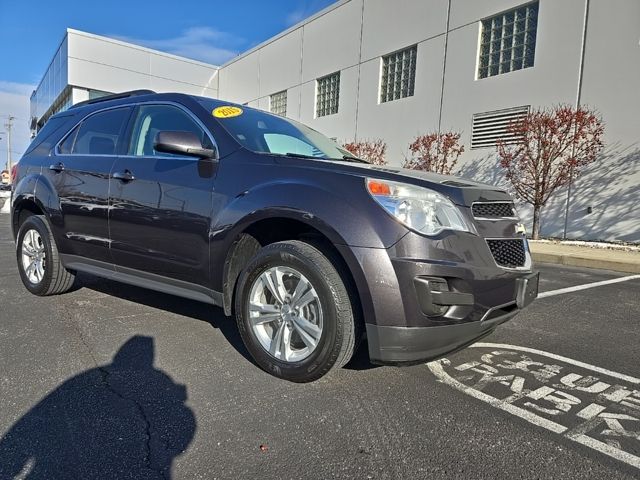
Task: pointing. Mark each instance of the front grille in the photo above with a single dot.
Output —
(493, 210)
(508, 253)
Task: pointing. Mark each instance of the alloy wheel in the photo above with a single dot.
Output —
(285, 314)
(33, 256)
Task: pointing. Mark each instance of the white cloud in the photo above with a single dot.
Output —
(14, 101)
(199, 43)
(305, 9)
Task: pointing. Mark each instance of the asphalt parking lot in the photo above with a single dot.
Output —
(112, 381)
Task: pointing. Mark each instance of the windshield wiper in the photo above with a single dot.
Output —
(301, 155)
(351, 158)
(346, 158)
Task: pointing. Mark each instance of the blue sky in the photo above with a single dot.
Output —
(209, 30)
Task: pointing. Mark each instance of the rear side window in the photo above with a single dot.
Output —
(99, 134)
(49, 128)
(67, 145)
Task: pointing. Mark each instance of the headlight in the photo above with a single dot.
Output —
(418, 208)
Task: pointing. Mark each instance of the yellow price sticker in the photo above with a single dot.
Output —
(227, 112)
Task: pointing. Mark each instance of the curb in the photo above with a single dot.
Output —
(577, 261)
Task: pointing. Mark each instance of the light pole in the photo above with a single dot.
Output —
(9, 126)
(1, 135)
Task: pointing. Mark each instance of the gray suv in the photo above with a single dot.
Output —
(310, 249)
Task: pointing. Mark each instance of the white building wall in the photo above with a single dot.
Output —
(286, 53)
(384, 31)
(611, 187)
(390, 26)
(105, 64)
(352, 35)
(552, 80)
(400, 121)
(240, 81)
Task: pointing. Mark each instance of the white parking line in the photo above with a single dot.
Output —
(577, 363)
(585, 286)
(584, 409)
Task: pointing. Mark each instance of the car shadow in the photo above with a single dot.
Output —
(214, 316)
(204, 312)
(125, 419)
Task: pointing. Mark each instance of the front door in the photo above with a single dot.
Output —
(161, 203)
(80, 173)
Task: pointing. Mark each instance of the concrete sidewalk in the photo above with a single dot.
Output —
(616, 260)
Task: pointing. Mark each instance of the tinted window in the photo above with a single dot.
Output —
(67, 146)
(100, 133)
(152, 119)
(52, 125)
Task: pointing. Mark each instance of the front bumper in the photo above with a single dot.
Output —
(406, 345)
(409, 345)
(423, 299)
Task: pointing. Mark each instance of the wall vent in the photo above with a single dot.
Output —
(489, 127)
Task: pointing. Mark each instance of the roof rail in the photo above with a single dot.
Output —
(115, 96)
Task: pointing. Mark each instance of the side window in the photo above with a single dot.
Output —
(100, 133)
(152, 119)
(66, 147)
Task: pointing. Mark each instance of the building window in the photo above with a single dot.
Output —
(327, 95)
(489, 127)
(278, 103)
(93, 94)
(508, 41)
(398, 75)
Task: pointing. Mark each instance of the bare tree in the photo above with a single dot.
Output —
(373, 151)
(435, 152)
(553, 145)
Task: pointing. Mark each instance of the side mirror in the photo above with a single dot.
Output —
(183, 143)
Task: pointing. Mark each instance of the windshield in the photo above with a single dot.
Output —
(263, 132)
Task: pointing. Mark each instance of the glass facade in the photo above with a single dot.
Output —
(53, 83)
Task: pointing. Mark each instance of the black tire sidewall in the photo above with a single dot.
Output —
(36, 223)
(325, 354)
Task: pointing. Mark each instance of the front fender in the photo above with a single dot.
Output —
(343, 213)
(346, 220)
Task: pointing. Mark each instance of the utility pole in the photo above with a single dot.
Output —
(8, 126)
(578, 99)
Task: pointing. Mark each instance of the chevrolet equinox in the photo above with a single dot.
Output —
(310, 248)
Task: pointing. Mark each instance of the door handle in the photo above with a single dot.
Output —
(57, 167)
(125, 176)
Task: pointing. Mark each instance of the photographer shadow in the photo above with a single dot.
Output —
(126, 419)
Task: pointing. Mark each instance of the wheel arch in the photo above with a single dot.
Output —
(21, 210)
(265, 231)
(33, 195)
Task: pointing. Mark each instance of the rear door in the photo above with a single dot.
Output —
(161, 203)
(80, 173)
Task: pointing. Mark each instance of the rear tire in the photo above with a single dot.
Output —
(39, 264)
(293, 312)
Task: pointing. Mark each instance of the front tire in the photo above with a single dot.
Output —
(39, 264)
(294, 313)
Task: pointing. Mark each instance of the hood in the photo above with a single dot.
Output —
(460, 191)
